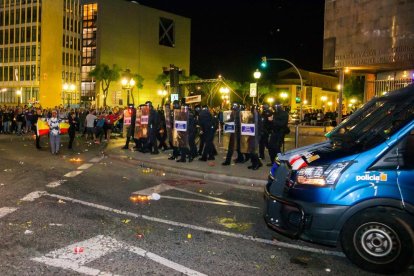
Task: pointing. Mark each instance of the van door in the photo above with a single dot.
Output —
(405, 170)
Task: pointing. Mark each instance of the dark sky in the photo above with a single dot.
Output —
(230, 37)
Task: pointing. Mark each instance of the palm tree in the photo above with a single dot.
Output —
(105, 75)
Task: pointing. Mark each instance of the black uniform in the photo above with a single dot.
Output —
(279, 125)
(207, 127)
(73, 125)
(153, 125)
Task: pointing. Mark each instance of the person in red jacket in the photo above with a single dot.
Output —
(111, 118)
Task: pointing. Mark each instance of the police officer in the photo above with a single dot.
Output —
(207, 127)
(279, 122)
(192, 133)
(265, 130)
(234, 137)
(131, 127)
(162, 130)
(185, 135)
(152, 129)
(176, 151)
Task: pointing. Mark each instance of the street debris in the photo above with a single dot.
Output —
(139, 236)
(327, 269)
(60, 201)
(55, 224)
(139, 198)
(78, 250)
(28, 232)
(75, 160)
(21, 163)
(155, 196)
(189, 236)
(126, 221)
(7, 170)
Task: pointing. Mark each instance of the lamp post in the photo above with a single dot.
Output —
(257, 74)
(225, 95)
(19, 96)
(68, 91)
(265, 59)
(162, 94)
(127, 84)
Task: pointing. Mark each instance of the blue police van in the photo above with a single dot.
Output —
(356, 189)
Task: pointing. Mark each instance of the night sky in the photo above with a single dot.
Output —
(230, 37)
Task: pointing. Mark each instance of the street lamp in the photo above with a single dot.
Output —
(323, 99)
(225, 94)
(284, 96)
(257, 74)
(68, 90)
(265, 59)
(127, 84)
(19, 96)
(162, 94)
(270, 100)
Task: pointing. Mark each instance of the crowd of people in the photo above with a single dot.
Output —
(202, 124)
(93, 124)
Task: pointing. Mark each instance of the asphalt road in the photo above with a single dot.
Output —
(72, 214)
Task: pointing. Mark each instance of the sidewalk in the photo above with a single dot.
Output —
(210, 170)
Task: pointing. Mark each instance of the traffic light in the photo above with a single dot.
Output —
(264, 62)
(297, 99)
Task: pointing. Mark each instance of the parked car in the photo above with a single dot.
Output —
(356, 189)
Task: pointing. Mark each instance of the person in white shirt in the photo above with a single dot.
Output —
(90, 124)
(54, 132)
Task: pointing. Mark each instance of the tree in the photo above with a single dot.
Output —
(354, 87)
(139, 84)
(105, 75)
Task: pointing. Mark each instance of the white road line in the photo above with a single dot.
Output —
(73, 173)
(165, 187)
(155, 189)
(85, 166)
(164, 261)
(33, 195)
(208, 201)
(96, 248)
(96, 159)
(4, 211)
(204, 229)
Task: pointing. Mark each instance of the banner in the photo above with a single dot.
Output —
(64, 127)
(42, 127)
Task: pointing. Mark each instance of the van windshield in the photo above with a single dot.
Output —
(375, 122)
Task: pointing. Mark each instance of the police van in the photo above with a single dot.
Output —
(356, 189)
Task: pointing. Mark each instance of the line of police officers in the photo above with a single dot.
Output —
(248, 132)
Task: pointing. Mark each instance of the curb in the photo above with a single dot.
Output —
(193, 173)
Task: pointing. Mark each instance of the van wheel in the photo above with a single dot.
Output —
(378, 242)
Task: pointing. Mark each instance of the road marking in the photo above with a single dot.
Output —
(85, 166)
(73, 173)
(33, 195)
(96, 159)
(200, 228)
(96, 248)
(165, 187)
(4, 211)
(55, 184)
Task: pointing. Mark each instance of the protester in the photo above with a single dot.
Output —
(54, 132)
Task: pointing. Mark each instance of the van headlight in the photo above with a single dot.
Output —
(321, 175)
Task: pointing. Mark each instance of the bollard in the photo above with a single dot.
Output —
(296, 136)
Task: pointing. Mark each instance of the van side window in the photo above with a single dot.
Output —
(400, 156)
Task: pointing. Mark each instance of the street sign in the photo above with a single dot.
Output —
(193, 99)
(253, 89)
(174, 97)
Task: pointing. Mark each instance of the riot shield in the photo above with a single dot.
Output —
(127, 122)
(180, 130)
(168, 123)
(141, 123)
(248, 131)
(229, 128)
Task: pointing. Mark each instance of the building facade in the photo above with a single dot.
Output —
(48, 47)
(320, 91)
(371, 37)
(135, 37)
